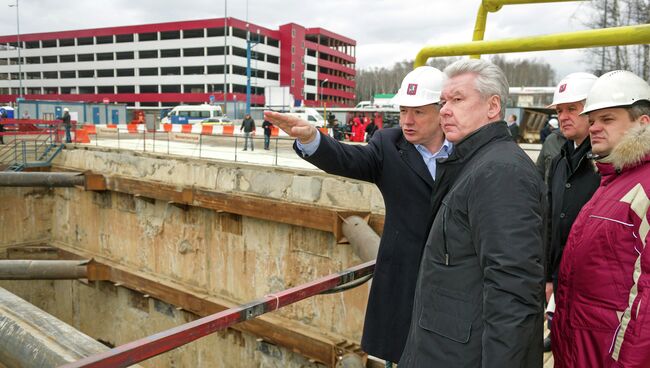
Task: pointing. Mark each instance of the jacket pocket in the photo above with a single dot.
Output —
(593, 317)
(449, 315)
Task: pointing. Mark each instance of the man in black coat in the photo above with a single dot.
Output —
(401, 162)
(572, 178)
(479, 294)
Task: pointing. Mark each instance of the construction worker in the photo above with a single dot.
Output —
(67, 124)
(402, 163)
(602, 314)
(572, 179)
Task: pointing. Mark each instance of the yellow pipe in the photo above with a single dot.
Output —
(619, 36)
(494, 6)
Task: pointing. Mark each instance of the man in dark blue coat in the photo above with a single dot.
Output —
(402, 163)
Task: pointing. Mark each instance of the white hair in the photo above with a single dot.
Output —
(490, 79)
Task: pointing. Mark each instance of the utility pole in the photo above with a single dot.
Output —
(225, 54)
(249, 46)
(18, 46)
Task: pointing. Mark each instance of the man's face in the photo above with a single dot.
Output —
(574, 126)
(420, 125)
(607, 129)
(464, 110)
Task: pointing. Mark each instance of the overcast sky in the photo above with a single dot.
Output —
(386, 31)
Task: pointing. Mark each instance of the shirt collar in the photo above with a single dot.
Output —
(444, 150)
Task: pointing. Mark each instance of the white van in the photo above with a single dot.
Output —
(311, 115)
(192, 114)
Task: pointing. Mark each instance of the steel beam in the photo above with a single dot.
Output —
(42, 270)
(40, 179)
(151, 346)
(32, 338)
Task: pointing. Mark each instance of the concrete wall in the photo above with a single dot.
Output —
(25, 216)
(234, 258)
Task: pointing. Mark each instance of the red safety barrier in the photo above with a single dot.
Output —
(186, 128)
(206, 129)
(148, 347)
(228, 129)
(132, 128)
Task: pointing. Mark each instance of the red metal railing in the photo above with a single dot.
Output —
(148, 347)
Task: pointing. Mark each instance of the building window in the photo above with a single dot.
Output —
(105, 56)
(103, 73)
(32, 44)
(149, 89)
(170, 35)
(194, 88)
(49, 43)
(103, 39)
(311, 67)
(125, 89)
(293, 66)
(51, 90)
(272, 59)
(170, 53)
(153, 36)
(293, 49)
(272, 76)
(86, 73)
(240, 70)
(29, 75)
(238, 88)
(86, 57)
(66, 42)
(123, 38)
(170, 88)
(193, 70)
(68, 74)
(273, 42)
(239, 33)
(148, 54)
(32, 60)
(67, 90)
(293, 82)
(195, 51)
(85, 41)
(66, 58)
(193, 33)
(86, 90)
(215, 69)
(238, 51)
(105, 89)
(216, 32)
(148, 71)
(50, 75)
(171, 70)
(311, 52)
(128, 72)
(293, 32)
(124, 55)
(49, 59)
(219, 50)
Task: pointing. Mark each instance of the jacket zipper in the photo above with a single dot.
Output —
(444, 237)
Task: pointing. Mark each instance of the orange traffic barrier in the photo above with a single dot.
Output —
(81, 136)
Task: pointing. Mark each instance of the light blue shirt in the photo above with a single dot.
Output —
(428, 157)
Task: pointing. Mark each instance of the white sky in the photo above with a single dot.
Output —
(386, 31)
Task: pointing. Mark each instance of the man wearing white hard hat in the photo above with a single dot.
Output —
(402, 163)
(551, 147)
(602, 314)
(572, 178)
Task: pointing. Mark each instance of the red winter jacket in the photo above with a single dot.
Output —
(602, 316)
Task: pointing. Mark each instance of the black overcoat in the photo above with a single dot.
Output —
(398, 170)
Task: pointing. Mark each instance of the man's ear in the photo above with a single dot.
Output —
(494, 110)
(644, 119)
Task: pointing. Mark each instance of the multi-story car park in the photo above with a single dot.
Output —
(167, 64)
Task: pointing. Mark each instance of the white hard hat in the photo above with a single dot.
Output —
(65, 109)
(553, 123)
(420, 87)
(573, 88)
(617, 88)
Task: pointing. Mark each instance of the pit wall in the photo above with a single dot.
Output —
(233, 258)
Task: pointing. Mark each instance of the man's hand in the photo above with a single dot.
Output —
(292, 125)
(549, 291)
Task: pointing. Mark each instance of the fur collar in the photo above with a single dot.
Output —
(632, 150)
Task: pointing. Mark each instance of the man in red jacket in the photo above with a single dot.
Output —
(602, 317)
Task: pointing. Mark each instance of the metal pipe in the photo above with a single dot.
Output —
(32, 338)
(362, 237)
(41, 179)
(618, 36)
(43, 270)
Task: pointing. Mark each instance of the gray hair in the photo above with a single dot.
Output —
(490, 79)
